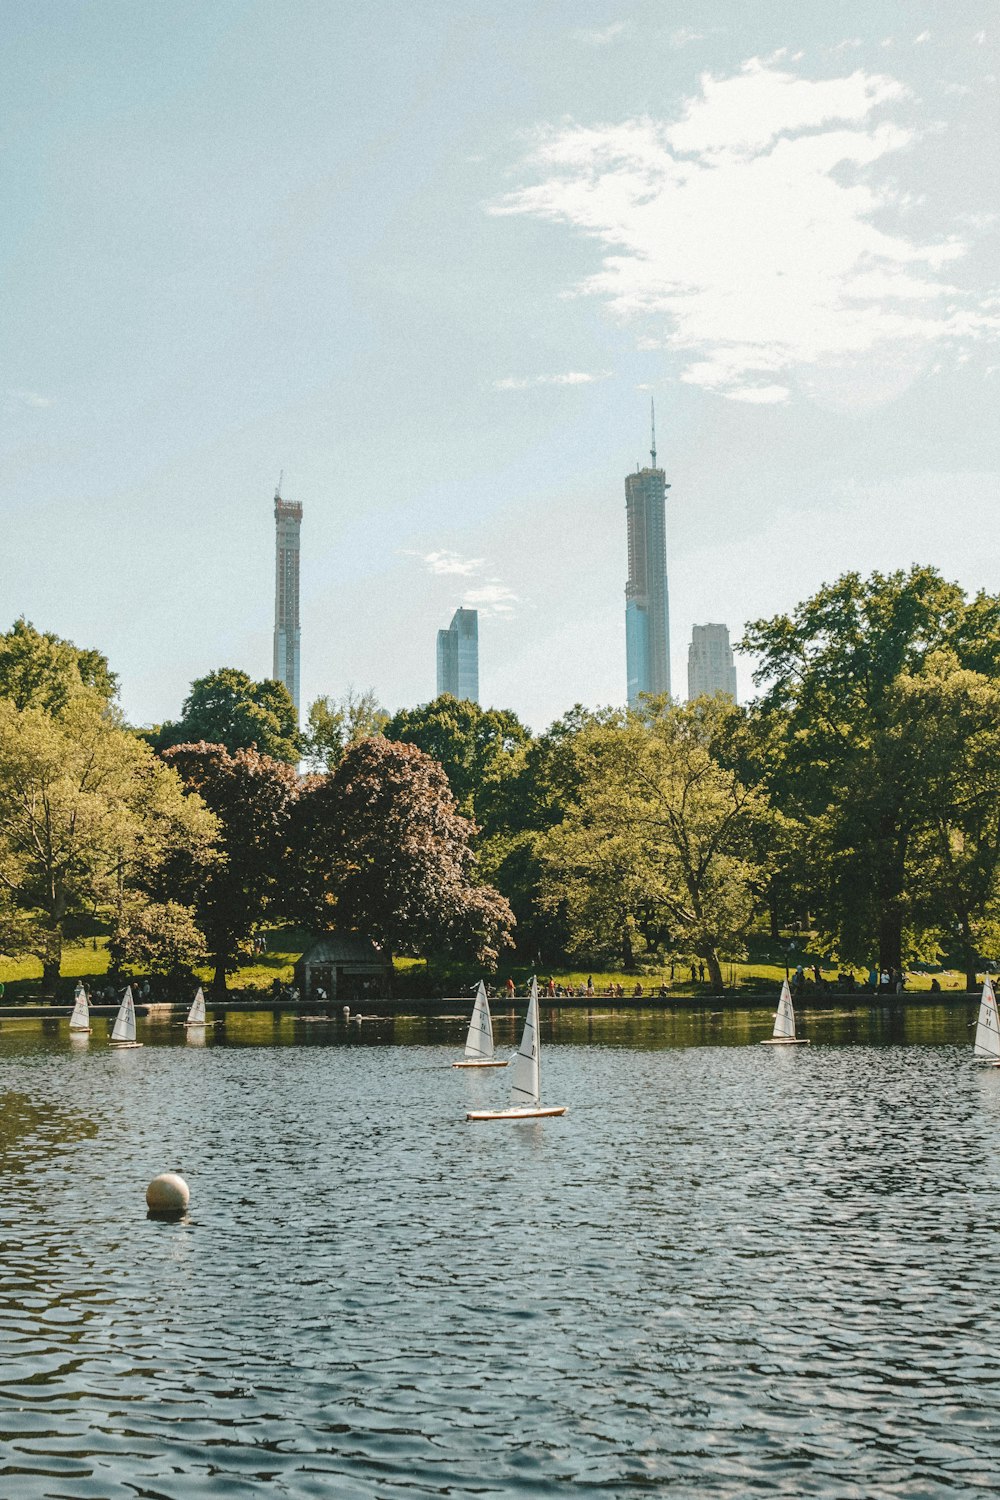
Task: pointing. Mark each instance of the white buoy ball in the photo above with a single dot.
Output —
(168, 1194)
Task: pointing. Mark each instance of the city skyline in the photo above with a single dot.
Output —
(446, 309)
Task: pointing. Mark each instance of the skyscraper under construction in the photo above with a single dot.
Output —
(287, 629)
(647, 609)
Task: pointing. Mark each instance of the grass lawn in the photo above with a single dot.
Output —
(762, 973)
(88, 960)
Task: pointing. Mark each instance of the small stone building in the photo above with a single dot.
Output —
(347, 966)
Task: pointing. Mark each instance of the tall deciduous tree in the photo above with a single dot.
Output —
(40, 670)
(87, 812)
(517, 809)
(228, 708)
(479, 748)
(660, 834)
(159, 937)
(387, 853)
(949, 717)
(847, 763)
(334, 723)
(252, 796)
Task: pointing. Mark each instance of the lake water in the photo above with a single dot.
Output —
(729, 1271)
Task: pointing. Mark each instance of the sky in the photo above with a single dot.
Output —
(430, 262)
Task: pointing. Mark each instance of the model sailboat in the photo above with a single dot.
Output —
(479, 1042)
(196, 1015)
(123, 1033)
(784, 1024)
(80, 1019)
(987, 1043)
(525, 1084)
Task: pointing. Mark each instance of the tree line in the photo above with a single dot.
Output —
(858, 795)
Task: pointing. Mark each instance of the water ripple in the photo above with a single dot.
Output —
(727, 1272)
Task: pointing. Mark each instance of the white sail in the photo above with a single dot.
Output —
(124, 1028)
(525, 1087)
(479, 1042)
(80, 1019)
(196, 1015)
(784, 1020)
(988, 1025)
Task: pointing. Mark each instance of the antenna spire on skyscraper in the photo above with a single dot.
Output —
(277, 492)
(652, 423)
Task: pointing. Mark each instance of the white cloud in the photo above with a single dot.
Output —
(450, 563)
(752, 234)
(491, 598)
(761, 395)
(749, 110)
(30, 398)
(684, 36)
(529, 382)
(601, 36)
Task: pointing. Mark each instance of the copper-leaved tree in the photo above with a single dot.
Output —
(384, 851)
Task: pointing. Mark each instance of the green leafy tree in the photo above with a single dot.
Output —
(847, 764)
(43, 671)
(948, 716)
(518, 810)
(87, 813)
(659, 835)
(387, 853)
(228, 708)
(156, 937)
(252, 797)
(333, 724)
(597, 884)
(479, 749)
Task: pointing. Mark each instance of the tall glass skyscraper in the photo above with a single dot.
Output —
(458, 656)
(647, 606)
(287, 628)
(711, 668)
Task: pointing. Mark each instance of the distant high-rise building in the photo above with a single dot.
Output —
(287, 629)
(711, 668)
(458, 656)
(647, 608)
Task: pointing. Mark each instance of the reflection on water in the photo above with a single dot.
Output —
(729, 1271)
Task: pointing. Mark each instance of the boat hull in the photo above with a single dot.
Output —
(516, 1114)
(121, 1046)
(490, 1064)
(785, 1041)
(81, 1030)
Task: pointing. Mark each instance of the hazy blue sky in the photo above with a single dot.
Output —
(431, 259)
